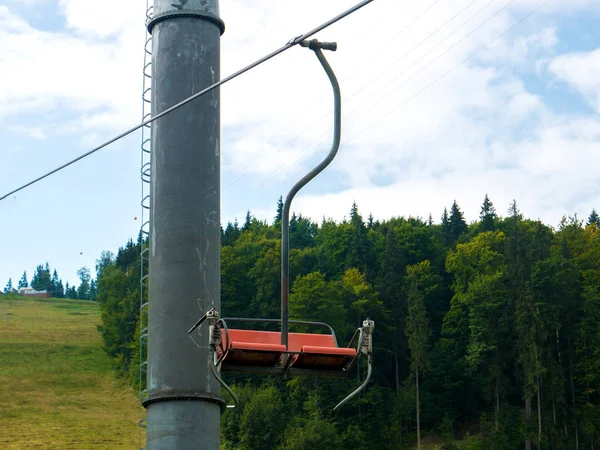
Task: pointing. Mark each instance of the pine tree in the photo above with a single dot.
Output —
(594, 219)
(9, 286)
(487, 215)
(23, 281)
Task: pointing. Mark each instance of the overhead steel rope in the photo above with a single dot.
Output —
(290, 44)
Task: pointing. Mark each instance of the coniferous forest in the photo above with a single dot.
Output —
(490, 330)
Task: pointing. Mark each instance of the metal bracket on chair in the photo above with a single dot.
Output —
(366, 348)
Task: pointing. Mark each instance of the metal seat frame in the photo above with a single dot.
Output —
(284, 366)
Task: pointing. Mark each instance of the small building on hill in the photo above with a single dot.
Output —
(30, 292)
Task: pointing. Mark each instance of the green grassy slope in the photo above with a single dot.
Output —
(57, 389)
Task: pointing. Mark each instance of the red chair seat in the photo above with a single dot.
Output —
(327, 358)
(343, 351)
(257, 346)
(264, 348)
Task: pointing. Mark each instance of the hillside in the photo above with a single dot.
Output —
(57, 388)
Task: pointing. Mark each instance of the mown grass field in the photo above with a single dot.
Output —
(57, 388)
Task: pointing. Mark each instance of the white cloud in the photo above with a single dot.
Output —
(582, 72)
(435, 136)
(45, 72)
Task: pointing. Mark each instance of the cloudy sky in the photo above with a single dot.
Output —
(442, 100)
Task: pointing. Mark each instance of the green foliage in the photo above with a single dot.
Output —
(41, 280)
(487, 215)
(313, 432)
(83, 292)
(119, 306)
(494, 315)
(9, 286)
(23, 281)
(419, 281)
(593, 219)
(262, 421)
(313, 297)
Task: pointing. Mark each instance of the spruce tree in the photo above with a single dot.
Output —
(513, 211)
(446, 232)
(279, 214)
(445, 220)
(457, 223)
(594, 219)
(359, 251)
(248, 221)
(487, 215)
(231, 233)
(60, 290)
(54, 285)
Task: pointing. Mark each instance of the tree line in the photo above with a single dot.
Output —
(46, 280)
(489, 329)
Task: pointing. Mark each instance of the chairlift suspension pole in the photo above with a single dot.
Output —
(316, 46)
(184, 399)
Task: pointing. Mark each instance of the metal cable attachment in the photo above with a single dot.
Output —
(215, 340)
(314, 44)
(366, 348)
(367, 344)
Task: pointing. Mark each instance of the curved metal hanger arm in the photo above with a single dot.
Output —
(316, 46)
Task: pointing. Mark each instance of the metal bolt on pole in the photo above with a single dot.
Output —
(184, 399)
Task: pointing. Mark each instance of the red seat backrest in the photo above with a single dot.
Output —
(295, 340)
(259, 337)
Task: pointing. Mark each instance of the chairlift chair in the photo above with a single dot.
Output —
(286, 353)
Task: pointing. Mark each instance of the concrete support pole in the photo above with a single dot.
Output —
(184, 399)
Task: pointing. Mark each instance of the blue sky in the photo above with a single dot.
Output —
(424, 121)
